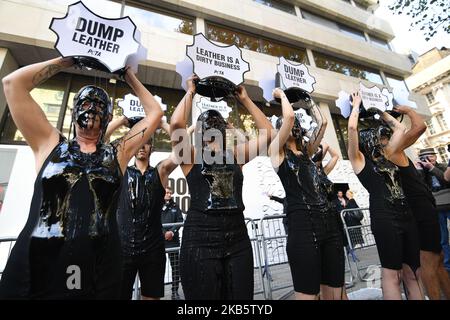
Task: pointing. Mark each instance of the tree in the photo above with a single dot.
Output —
(430, 16)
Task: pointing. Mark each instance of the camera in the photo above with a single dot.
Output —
(424, 158)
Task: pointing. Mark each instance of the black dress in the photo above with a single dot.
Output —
(216, 255)
(69, 247)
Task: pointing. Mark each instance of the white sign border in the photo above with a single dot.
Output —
(296, 65)
(221, 46)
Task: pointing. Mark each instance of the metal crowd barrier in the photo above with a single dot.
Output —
(276, 270)
(361, 252)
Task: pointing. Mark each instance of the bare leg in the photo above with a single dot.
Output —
(429, 265)
(330, 293)
(390, 284)
(444, 279)
(303, 296)
(415, 292)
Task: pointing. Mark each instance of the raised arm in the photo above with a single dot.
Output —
(334, 158)
(355, 156)
(141, 131)
(398, 135)
(114, 125)
(28, 116)
(178, 133)
(248, 150)
(418, 126)
(277, 144)
(318, 134)
(164, 126)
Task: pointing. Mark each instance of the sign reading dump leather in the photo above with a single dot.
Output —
(82, 33)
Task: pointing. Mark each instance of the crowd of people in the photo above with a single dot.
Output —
(94, 215)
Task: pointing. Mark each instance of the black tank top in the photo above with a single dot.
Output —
(216, 187)
(79, 193)
(418, 194)
(302, 183)
(139, 212)
(386, 195)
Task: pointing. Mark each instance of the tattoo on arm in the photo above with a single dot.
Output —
(45, 73)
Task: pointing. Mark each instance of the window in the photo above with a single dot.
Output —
(443, 154)
(355, 34)
(441, 120)
(280, 5)
(397, 83)
(430, 97)
(146, 19)
(8, 157)
(379, 42)
(255, 43)
(334, 64)
(430, 127)
(341, 128)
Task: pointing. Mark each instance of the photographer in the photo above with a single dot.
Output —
(433, 174)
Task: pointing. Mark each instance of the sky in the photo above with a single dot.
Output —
(406, 40)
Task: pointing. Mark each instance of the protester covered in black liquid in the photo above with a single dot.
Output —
(314, 245)
(70, 246)
(216, 254)
(392, 221)
(139, 219)
(421, 201)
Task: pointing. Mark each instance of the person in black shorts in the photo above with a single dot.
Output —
(422, 203)
(392, 221)
(216, 255)
(70, 245)
(139, 220)
(314, 245)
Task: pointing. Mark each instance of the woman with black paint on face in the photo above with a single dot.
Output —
(70, 247)
(392, 221)
(314, 245)
(216, 255)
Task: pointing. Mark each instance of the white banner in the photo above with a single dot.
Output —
(132, 107)
(82, 33)
(373, 98)
(206, 104)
